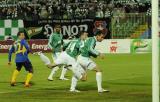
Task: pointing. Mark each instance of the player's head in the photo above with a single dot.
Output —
(83, 35)
(21, 35)
(100, 35)
(57, 28)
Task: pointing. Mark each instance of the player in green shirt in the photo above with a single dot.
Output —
(68, 58)
(72, 50)
(56, 44)
(89, 51)
(74, 47)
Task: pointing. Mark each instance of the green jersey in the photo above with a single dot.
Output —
(89, 48)
(56, 42)
(73, 47)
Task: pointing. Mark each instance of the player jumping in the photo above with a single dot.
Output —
(21, 48)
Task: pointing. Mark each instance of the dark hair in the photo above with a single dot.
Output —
(81, 33)
(19, 33)
(99, 32)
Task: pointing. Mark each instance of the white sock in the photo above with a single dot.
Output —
(53, 72)
(76, 72)
(74, 83)
(99, 80)
(64, 70)
(45, 59)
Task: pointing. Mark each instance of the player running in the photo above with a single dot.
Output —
(85, 60)
(56, 44)
(68, 57)
(21, 49)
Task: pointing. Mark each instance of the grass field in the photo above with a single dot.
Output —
(127, 76)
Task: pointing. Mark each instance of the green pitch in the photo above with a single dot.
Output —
(127, 76)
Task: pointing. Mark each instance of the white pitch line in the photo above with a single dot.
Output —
(130, 77)
(10, 92)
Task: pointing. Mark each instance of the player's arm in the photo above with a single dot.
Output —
(53, 41)
(11, 50)
(58, 41)
(50, 42)
(79, 45)
(92, 50)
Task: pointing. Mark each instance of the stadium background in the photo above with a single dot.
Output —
(120, 19)
(127, 67)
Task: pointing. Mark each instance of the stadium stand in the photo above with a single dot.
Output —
(130, 18)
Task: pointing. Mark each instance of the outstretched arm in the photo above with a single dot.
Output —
(92, 50)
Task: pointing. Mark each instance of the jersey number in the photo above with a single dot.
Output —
(71, 47)
(19, 48)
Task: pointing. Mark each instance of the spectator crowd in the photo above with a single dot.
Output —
(69, 9)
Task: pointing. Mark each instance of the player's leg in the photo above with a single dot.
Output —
(79, 74)
(63, 72)
(92, 66)
(16, 73)
(55, 69)
(75, 80)
(59, 61)
(44, 58)
(74, 84)
(28, 66)
(77, 69)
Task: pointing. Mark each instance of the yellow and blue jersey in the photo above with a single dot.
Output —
(21, 49)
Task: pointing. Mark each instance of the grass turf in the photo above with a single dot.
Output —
(127, 76)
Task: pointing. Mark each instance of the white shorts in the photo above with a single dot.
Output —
(86, 62)
(66, 59)
(55, 55)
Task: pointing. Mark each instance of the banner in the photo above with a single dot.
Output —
(42, 29)
(111, 46)
(39, 45)
(141, 46)
(10, 28)
(35, 45)
(118, 46)
(5, 45)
